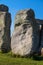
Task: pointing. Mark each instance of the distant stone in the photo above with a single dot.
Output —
(4, 8)
(41, 43)
(25, 38)
(41, 51)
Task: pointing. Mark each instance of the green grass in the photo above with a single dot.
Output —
(8, 59)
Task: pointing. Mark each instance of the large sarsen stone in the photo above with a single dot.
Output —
(25, 38)
(5, 23)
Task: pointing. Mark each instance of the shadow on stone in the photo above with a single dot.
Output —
(4, 8)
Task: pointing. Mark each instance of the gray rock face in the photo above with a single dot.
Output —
(5, 23)
(25, 38)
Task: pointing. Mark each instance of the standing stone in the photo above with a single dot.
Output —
(40, 22)
(25, 38)
(5, 23)
(41, 44)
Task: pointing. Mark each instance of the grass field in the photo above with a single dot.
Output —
(8, 59)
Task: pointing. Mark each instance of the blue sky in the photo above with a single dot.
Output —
(16, 5)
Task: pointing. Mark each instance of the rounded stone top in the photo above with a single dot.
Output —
(23, 16)
(30, 13)
(4, 8)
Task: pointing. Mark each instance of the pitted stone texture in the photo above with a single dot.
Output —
(4, 8)
(25, 38)
(2, 25)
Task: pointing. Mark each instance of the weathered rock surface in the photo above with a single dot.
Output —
(5, 23)
(25, 38)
